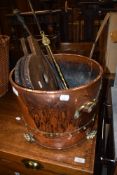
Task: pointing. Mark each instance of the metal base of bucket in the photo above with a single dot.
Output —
(61, 140)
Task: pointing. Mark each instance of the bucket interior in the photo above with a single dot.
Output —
(77, 70)
(77, 74)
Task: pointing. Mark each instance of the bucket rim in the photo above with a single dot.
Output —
(99, 76)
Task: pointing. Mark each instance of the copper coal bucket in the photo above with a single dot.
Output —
(60, 119)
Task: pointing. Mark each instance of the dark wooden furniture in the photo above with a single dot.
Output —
(18, 156)
(81, 48)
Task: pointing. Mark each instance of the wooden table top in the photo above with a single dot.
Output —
(79, 158)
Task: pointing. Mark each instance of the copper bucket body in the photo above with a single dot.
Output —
(60, 119)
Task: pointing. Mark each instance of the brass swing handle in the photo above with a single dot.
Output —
(88, 106)
(32, 164)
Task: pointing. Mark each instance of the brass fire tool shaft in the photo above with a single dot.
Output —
(46, 43)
